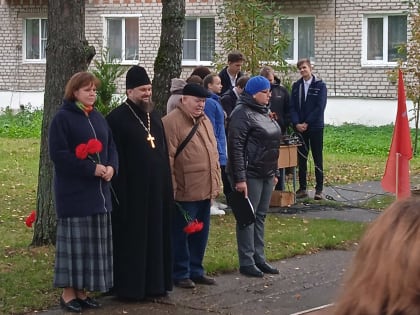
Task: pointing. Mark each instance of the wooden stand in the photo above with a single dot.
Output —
(287, 158)
(282, 198)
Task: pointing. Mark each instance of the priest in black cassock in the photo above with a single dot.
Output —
(143, 198)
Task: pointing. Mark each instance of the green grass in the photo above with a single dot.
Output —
(285, 237)
(26, 273)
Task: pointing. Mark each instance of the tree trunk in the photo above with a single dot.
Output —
(67, 52)
(168, 61)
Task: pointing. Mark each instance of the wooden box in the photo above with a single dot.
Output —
(288, 156)
(282, 198)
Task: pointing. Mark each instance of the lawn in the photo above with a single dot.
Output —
(26, 273)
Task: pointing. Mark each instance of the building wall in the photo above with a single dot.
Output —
(17, 75)
(338, 33)
(338, 45)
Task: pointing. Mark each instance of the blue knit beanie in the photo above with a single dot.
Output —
(257, 84)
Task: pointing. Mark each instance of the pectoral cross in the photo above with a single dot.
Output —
(151, 139)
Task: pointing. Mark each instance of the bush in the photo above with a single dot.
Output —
(26, 123)
(107, 72)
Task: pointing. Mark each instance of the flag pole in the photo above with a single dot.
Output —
(397, 160)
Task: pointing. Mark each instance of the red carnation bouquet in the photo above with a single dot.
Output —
(86, 150)
(192, 226)
(30, 219)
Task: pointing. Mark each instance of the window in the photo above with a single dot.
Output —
(35, 39)
(301, 33)
(198, 45)
(122, 38)
(382, 36)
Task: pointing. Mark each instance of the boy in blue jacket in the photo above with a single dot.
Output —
(307, 106)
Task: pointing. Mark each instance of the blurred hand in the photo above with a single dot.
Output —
(243, 188)
(108, 173)
(100, 170)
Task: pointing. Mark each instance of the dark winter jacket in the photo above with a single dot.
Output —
(228, 101)
(214, 111)
(225, 80)
(312, 110)
(78, 192)
(253, 141)
(279, 104)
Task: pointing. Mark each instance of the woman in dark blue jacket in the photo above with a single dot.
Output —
(85, 159)
(253, 151)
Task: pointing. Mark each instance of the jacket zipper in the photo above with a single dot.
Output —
(100, 181)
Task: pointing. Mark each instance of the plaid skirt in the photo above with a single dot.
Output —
(83, 259)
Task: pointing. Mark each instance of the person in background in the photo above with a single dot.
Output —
(143, 201)
(214, 111)
(279, 100)
(279, 104)
(384, 278)
(85, 160)
(194, 79)
(176, 92)
(200, 71)
(229, 98)
(196, 181)
(253, 151)
(308, 100)
(232, 71)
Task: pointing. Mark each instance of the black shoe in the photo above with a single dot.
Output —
(318, 195)
(301, 193)
(185, 283)
(204, 280)
(89, 303)
(251, 271)
(264, 267)
(71, 306)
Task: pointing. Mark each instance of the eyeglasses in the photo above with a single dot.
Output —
(265, 91)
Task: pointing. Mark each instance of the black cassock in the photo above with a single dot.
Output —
(142, 206)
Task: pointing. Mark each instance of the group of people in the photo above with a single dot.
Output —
(133, 191)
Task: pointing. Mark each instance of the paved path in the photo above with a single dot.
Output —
(304, 282)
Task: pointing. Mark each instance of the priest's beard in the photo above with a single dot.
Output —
(145, 106)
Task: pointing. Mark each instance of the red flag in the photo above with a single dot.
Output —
(396, 178)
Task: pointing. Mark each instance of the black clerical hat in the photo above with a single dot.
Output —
(136, 76)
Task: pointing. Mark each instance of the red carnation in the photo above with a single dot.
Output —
(94, 146)
(82, 151)
(30, 219)
(193, 226)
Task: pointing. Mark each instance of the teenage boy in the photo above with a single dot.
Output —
(307, 105)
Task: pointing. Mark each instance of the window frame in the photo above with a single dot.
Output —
(295, 39)
(105, 18)
(384, 16)
(24, 40)
(197, 61)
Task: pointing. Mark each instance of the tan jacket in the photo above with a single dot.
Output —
(196, 170)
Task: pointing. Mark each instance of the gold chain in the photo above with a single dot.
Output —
(149, 138)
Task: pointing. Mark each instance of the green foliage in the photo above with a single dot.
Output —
(26, 123)
(253, 28)
(107, 72)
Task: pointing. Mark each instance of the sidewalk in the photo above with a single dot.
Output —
(304, 283)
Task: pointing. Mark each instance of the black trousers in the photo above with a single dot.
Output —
(313, 140)
(227, 186)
